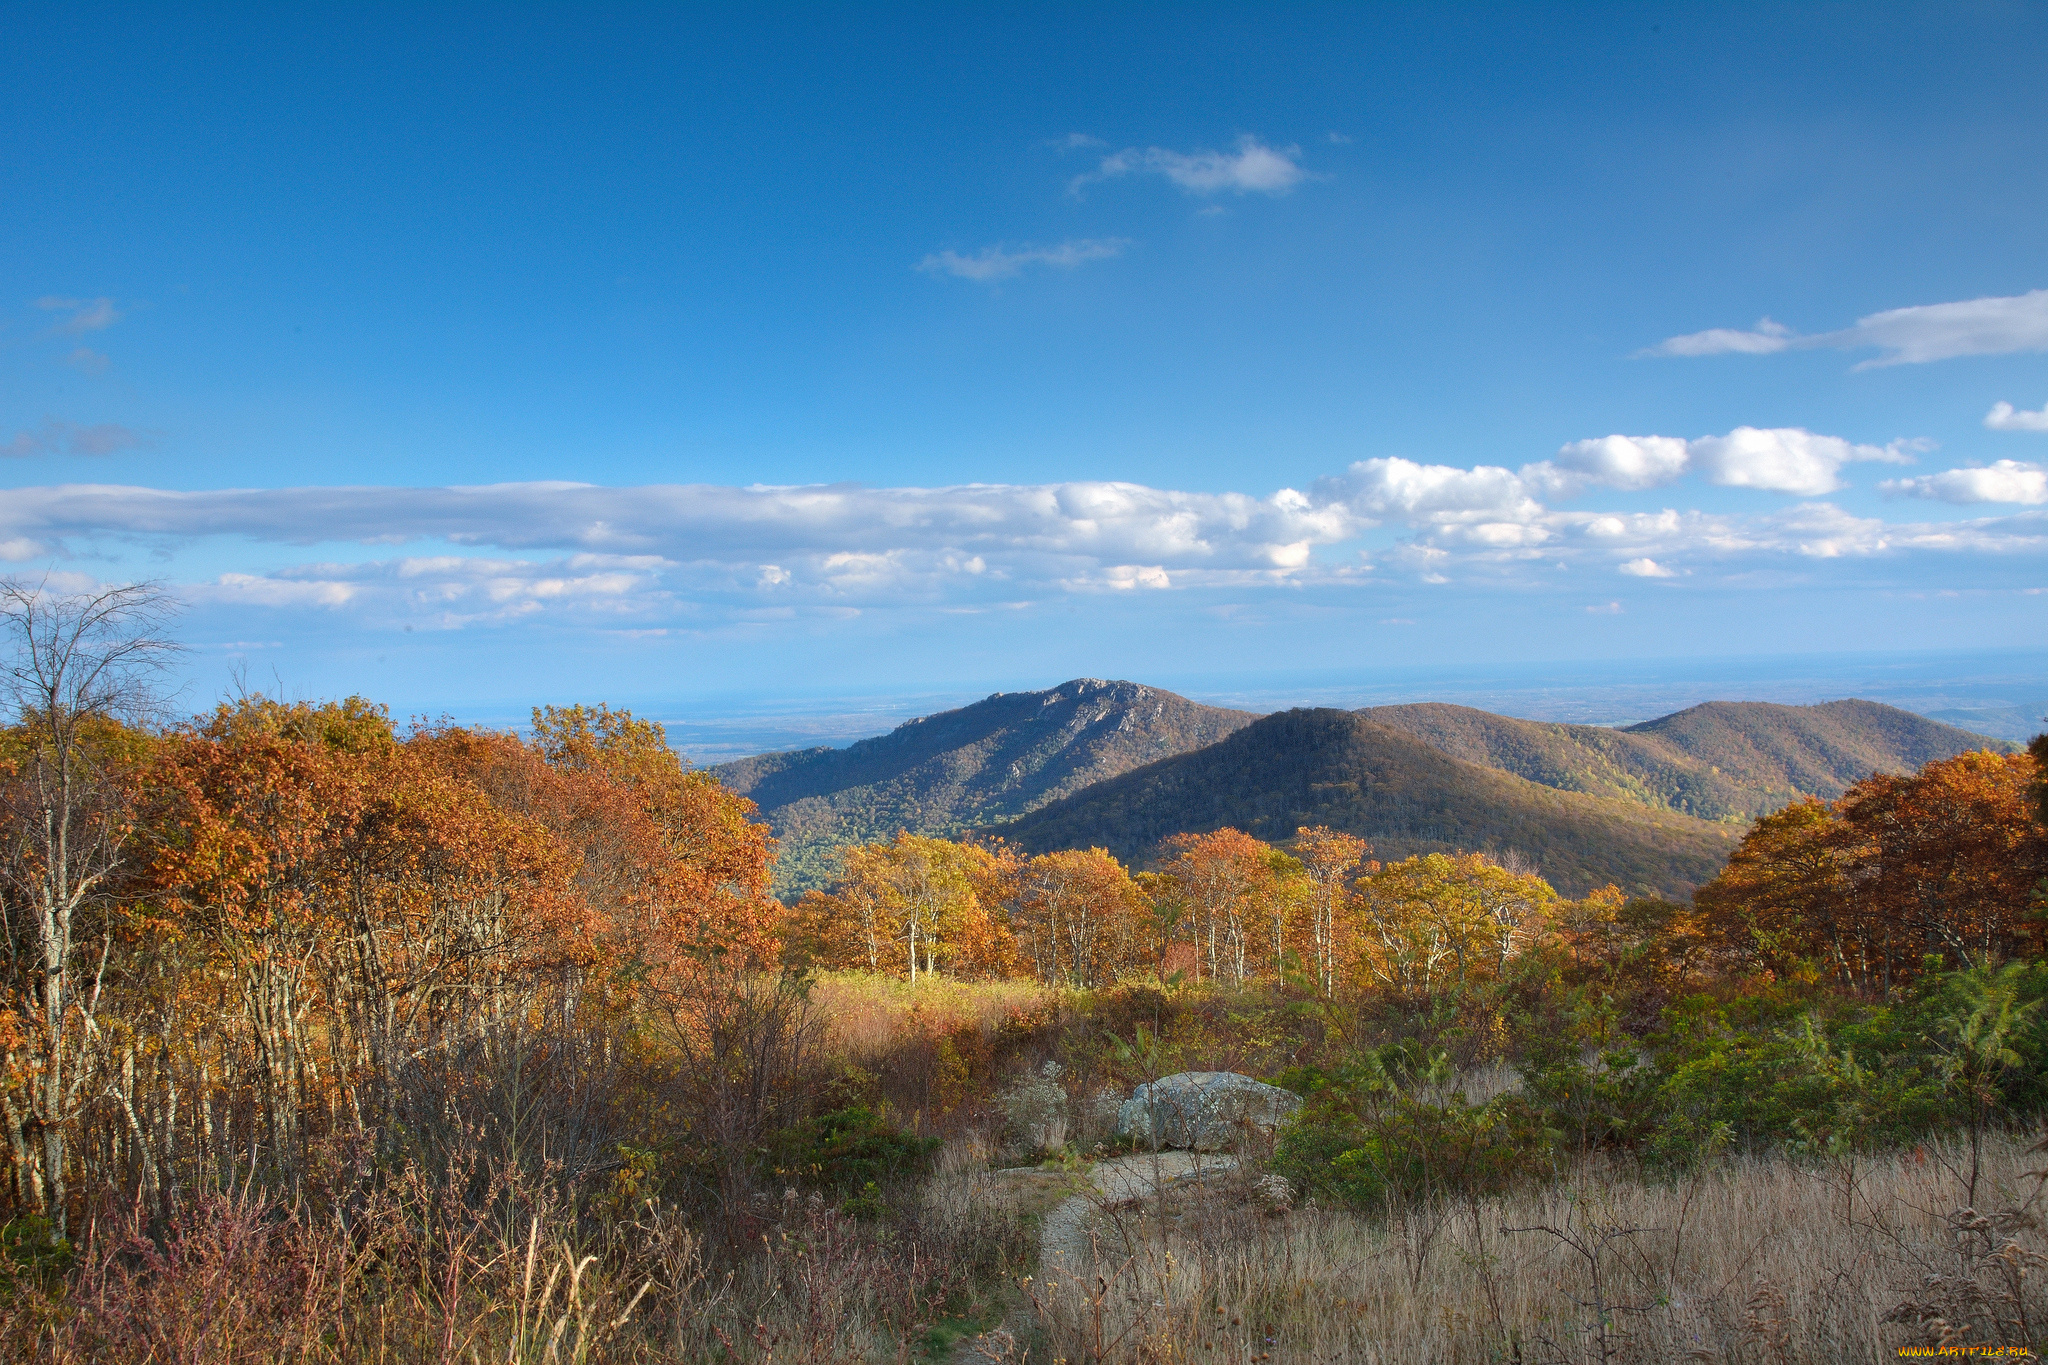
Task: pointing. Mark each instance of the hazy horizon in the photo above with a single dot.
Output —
(2000, 693)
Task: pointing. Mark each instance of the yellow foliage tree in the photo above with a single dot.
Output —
(1435, 920)
(1328, 859)
(916, 905)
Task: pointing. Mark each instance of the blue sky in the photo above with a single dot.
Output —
(472, 357)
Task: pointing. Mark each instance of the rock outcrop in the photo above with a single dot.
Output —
(1203, 1111)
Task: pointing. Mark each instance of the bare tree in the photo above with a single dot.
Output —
(78, 665)
(746, 1043)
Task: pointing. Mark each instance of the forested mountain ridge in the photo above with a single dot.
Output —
(977, 765)
(1345, 770)
(1717, 761)
(1822, 749)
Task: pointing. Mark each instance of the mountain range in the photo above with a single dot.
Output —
(1653, 808)
(1345, 770)
(1724, 760)
(978, 765)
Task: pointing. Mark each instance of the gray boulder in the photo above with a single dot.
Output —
(1205, 1111)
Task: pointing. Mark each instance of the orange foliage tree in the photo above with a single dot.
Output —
(333, 935)
(1435, 920)
(364, 902)
(1077, 917)
(1943, 862)
(1218, 886)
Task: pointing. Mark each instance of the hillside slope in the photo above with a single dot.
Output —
(1821, 749)
(1347, 771)
(977, 765)
(1719, 761)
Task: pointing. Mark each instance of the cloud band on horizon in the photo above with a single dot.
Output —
(661, 549)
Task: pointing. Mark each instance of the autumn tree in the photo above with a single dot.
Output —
(1328, 860)
(1075, 916)
(916, 905)
(1436, 920)
(718, 853)
(1943, 862)
(79, 665)
(1951, 854)
(370, 905)
(1787, 896)
(1222, 884)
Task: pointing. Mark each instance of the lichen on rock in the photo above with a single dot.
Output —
(1203, 1111)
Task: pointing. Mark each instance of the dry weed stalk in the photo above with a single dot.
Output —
(1751, 1260)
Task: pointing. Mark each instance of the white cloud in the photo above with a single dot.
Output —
(1783, 459)
(648, 557)
(87, 315)
(1253, 168)
(452, 591)
(1941, 331)
(240, 589)
(1779, 459)
(1765, 338)
(1380, 489)
(2003, 417)
(1906, 336)
(842, 539)
(2002, 481)
(1001, 263)
(1630, 462)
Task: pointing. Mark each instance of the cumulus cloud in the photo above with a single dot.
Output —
(1001, 263)
(86, 315)
(1628, 462)
(1253, 168)
(1905, 336)
(2003, 417)
(1784, 459)
(1380, 489)
(2002, 481)
(64, 438)
(1777, 459)
(1646, 567)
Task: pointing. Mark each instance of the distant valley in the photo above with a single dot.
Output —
(1654, 807)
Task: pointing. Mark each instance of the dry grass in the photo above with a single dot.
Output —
(240, 1281)
(1753, 1261)
(866, 1011)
